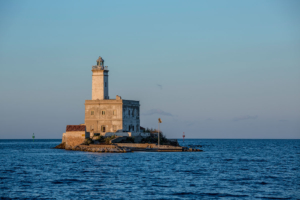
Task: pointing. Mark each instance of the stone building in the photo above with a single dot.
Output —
(74, 135)
(106, 116)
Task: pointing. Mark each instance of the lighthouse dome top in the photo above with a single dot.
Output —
(100, 64)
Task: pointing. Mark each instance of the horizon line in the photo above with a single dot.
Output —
(179, 139)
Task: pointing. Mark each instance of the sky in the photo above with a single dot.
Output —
(211, 69)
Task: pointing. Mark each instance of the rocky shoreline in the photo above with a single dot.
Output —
(126, 148)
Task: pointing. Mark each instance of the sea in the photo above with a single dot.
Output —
(226, 169)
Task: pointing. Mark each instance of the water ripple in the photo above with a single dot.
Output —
(227, 169)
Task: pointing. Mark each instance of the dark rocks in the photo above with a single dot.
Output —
(174, 142)
(191, 149)
(194, 146)
(61, 146)
(100, 149)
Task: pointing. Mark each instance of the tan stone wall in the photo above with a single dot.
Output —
(136, 145)
(63, 138)
(109, 120)
(73, 138)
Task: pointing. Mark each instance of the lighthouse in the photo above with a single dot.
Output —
(100, 81)
(105, 116)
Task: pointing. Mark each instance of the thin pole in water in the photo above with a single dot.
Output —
(33, 137)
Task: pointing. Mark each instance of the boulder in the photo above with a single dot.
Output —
(77, 148)
(61, 146)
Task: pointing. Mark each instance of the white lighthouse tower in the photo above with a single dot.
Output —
(100, 81)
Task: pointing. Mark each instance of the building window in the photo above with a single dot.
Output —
(92, 112)
(132, 128)
(114, 112)
(115, 128)
(129, 112)
(137, 128)
(103, 112)
(103, 128)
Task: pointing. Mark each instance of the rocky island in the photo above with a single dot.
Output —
(113, 125)
(123, 144)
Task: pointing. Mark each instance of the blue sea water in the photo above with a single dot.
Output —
(227, 169)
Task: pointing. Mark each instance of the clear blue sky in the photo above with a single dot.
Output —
(214, 69)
